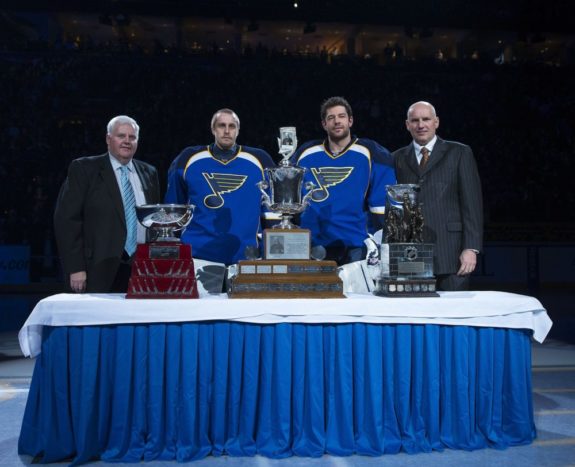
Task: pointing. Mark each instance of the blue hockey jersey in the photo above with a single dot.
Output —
(227, 200)
(350, 184)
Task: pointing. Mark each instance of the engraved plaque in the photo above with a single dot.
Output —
(413, 267)
(287, 244)
(165, 251)
(248, 269)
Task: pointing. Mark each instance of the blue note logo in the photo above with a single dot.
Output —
(220, 184)
(327, 177)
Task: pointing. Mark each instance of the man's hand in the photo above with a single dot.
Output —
(78, 281)
(468, 260)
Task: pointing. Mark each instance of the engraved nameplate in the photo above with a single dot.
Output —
(164, 252)
(247, 268)
(413, 267)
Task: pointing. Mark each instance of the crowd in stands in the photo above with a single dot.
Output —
(518, 119)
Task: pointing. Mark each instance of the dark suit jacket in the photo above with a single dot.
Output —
(451, 199)
(89, 219)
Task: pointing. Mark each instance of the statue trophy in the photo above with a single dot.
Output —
(406, 261)
(286, 270)
(163, 268)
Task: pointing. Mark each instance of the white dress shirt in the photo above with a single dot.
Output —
(417, 147)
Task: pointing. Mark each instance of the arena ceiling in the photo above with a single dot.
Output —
(519, 15)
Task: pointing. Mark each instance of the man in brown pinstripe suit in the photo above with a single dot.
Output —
(450, 196)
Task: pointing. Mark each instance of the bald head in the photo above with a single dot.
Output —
(422, 104)
(422, 122)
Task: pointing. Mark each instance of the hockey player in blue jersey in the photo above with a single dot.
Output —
(351, 174)
(221, 181)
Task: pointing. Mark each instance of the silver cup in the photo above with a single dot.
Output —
(285, 183)
(286, 193)
(165, 219)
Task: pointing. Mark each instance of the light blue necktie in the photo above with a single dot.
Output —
(129, 211)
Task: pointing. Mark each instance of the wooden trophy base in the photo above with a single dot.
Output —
(163, 270)
(286, 279)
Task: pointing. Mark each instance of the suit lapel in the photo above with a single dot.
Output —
(107, 174)
(144, 178)
(438, 153)
(411, 160)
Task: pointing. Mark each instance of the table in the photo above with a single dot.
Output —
(126, 380)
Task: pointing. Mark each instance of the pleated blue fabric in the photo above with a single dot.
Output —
(185, 391)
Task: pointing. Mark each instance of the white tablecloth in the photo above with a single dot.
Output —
(485, 308)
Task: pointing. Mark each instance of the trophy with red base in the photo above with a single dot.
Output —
(163, 268)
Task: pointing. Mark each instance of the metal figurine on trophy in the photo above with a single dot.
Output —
(406, 261)
(286, 270)
(163, 268)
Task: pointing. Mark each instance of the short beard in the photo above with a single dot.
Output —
(337, 139)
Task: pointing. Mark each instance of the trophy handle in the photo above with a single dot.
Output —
(310, 186)
(263, 185)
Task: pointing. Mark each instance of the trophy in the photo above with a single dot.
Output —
(406, 261)
(286, 270)
(163, 268)
(286, 240)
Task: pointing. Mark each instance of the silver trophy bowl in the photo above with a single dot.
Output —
(165, 219)
(285, 184)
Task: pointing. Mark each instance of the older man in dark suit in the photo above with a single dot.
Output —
(95, 224)
(450, 195)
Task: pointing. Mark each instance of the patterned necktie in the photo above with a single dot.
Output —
(129, 211)
(424, 157)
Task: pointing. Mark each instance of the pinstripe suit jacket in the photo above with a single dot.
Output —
(451, 199)
(89, 219)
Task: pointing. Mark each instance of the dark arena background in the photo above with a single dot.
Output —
(501, 74)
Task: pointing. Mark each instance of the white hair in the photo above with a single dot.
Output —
(123, 120)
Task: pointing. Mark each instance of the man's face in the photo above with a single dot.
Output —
(122, 143)
(225, 131)
(421, 123)
(337, 123)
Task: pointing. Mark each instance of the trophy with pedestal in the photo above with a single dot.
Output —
(406, 260)
(163, 268)
(286, 240)
(286, 270)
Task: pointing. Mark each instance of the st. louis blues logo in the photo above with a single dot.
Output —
(327, 177)
(221, 184)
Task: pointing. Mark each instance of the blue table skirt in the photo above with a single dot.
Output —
(187, 390)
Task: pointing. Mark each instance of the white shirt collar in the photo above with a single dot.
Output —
(418, 147)
(116, 164)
